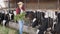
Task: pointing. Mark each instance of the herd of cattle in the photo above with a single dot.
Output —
(45, 20)
(5, 17)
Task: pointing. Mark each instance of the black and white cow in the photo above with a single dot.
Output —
(0, 18)
(39, 19)
(57, 26)
(5, 19)
(11, 15)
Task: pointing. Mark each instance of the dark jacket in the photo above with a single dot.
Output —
(18, 10)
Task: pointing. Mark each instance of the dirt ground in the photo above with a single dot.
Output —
(6, 30)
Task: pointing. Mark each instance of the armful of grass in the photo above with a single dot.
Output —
(19, 16)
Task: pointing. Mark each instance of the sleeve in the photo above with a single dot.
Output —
(16, 10)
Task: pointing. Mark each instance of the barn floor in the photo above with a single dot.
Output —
(6, 30)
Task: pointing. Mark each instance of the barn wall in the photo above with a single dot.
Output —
(48, 5)
(31, 4)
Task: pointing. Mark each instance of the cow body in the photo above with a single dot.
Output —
(57, 26)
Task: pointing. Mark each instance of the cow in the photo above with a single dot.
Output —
(39, 19)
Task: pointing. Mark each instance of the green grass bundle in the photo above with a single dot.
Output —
(19, 16)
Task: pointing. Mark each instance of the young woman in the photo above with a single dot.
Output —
(20, 11)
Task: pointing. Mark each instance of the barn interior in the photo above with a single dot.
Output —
(33, 4)
(50, 8)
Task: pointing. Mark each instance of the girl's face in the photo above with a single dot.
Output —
(20, 5)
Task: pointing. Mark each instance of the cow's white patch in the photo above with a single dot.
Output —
(48, 29)
(14, 13)
(4, 21)
(10, 15)
(37, 31)
(34, 19)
